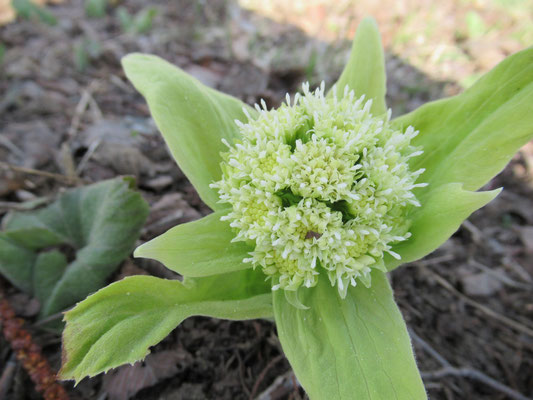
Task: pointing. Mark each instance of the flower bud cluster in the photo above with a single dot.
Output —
(319, 185)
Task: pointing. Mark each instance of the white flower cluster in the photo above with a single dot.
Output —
(319, 185)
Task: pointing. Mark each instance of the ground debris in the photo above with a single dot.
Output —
(124, 382)
(48, 100)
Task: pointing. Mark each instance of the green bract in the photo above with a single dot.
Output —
(319, 195)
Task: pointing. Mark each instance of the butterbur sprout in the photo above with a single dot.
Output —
(320, 186)
(313, 203)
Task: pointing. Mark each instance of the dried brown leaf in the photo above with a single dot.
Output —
(124, 382)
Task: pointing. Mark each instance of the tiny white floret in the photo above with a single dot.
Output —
(321, 186)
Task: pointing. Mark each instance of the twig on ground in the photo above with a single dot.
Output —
(295, 386)
(476, 375)
(8, 144)
(173, 218)
(67, 162)
(87, 156)
(51, 318)
(11, 205)
(509, 262)
(95, 109)
(62, 178)
(480, 238)
(115, 80)
(86, 100)
(499, 276)
(471, 373)
(81, 107)
(428, 349)
(432, 261)
(491, 313)
(263, 373)
(284, 383)
(78, 114)
(437, 356)
(476, 233)
(241, 373)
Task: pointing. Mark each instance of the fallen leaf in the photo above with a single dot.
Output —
(36, 142)
(481, 284)
(172, 209)
(159, 183)
(120, 144)
(124, 382)
(526, 236)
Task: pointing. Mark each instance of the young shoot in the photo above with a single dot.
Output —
(313, 203)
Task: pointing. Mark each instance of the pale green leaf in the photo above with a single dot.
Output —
(118, 324)
(365, 71)
(352, 348)
(192, 117)
(198, 248)
(444, 210)
(470, 137)
(98, 223)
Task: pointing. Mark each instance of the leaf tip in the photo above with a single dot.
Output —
(492, 194)
(129, 60)
(142, 251)
(138, 67)
(369, 21)
(497, 191)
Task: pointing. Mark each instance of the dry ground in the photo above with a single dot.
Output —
(66, 108)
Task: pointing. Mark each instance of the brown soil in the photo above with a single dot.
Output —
(471, 302)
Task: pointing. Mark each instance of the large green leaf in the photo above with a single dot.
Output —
(96, 224)
(118, 324)
(444, 210)
(469, 138)
(365, 71)
(193, 118)
(18, 255)
(16, 263)
(198, 248)
(32, 238)
(352, 348)
(49, 268)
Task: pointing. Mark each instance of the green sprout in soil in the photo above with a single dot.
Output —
(26, 9)
(136, 23)
(95, 8)
(314, 202)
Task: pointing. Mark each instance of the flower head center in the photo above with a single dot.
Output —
(320, 186)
